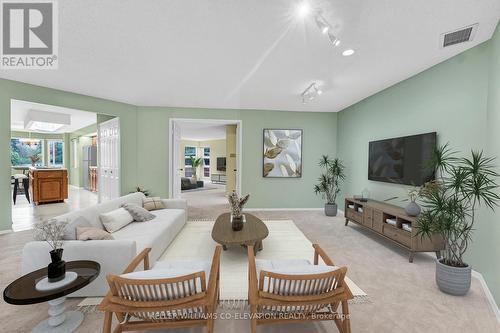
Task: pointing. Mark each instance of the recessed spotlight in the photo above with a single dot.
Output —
(303, 9)
(348, 52)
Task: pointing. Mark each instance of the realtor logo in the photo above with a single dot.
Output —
(29, 34)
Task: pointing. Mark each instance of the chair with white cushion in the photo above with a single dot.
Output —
(167, 295)
(296, 290)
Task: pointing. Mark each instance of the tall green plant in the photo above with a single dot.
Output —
(450, 202)
(329, 182)
(195, 163)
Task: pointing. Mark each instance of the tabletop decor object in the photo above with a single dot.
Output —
(52, 231)
(237, 203)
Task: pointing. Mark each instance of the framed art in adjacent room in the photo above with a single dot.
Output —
(282, 153)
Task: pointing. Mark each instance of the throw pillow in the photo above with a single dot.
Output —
(138, 213)
(115, 219)
(92, 233)
(70, 231)
(153, 203)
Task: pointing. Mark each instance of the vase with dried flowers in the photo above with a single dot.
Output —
(237, 203)
(52, 232)
(34, 158)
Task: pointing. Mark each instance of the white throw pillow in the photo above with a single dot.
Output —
(115, 219)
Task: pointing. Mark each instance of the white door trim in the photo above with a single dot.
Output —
(239, 149)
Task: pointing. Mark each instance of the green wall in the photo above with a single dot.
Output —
(459, 99)
(319, 138)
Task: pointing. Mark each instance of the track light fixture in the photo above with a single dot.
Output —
(310, 93)
(325, 28)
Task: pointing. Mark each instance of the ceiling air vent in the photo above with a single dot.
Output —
(458, 36)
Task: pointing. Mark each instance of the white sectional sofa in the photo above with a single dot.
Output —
(113, 255)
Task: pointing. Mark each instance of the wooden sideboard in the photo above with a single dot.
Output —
(48, 185)
(372, 215)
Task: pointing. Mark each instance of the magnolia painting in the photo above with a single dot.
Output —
(282, 153)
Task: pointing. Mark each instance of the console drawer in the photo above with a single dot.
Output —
(354, 216)
(400, 236)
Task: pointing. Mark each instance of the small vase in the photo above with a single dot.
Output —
(412, 209)
(56, 270)
(237, 222)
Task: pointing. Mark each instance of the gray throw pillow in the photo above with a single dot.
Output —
(70, 231)
(138, 213)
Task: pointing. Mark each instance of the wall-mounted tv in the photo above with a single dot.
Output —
(221, 164)
(403, 160)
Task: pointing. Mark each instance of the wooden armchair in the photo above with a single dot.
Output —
(278, 298)
(142, 304)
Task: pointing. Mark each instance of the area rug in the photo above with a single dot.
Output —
(194, 242)
(285, 241)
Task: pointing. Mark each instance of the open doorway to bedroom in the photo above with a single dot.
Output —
(205, 163)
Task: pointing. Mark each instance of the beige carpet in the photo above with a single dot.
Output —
(404, 296)
(285, 241)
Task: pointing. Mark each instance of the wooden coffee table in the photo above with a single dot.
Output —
(252, 234)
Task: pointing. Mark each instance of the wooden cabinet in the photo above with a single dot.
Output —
(375, 215)
(48, 185)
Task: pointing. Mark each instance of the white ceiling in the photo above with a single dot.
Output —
(19, 111)
(250, 54)
(200, 131)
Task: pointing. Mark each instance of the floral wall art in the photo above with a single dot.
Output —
(282, 153)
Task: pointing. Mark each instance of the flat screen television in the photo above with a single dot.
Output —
(221, 164)
(404, 160)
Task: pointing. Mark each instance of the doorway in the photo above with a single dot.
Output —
(205, 163)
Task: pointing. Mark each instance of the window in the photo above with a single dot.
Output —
(206, 162)
(188, 153)
(23, 150)
(56, 152)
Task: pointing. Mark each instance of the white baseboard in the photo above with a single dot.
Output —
(8, 231)
(279, 209)
(487, 292)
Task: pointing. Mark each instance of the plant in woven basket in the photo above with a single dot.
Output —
(236, 203)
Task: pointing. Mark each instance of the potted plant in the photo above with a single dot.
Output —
(195, 163)
(329, 183)
(450, 203)
(34, 158)
(52, 231)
